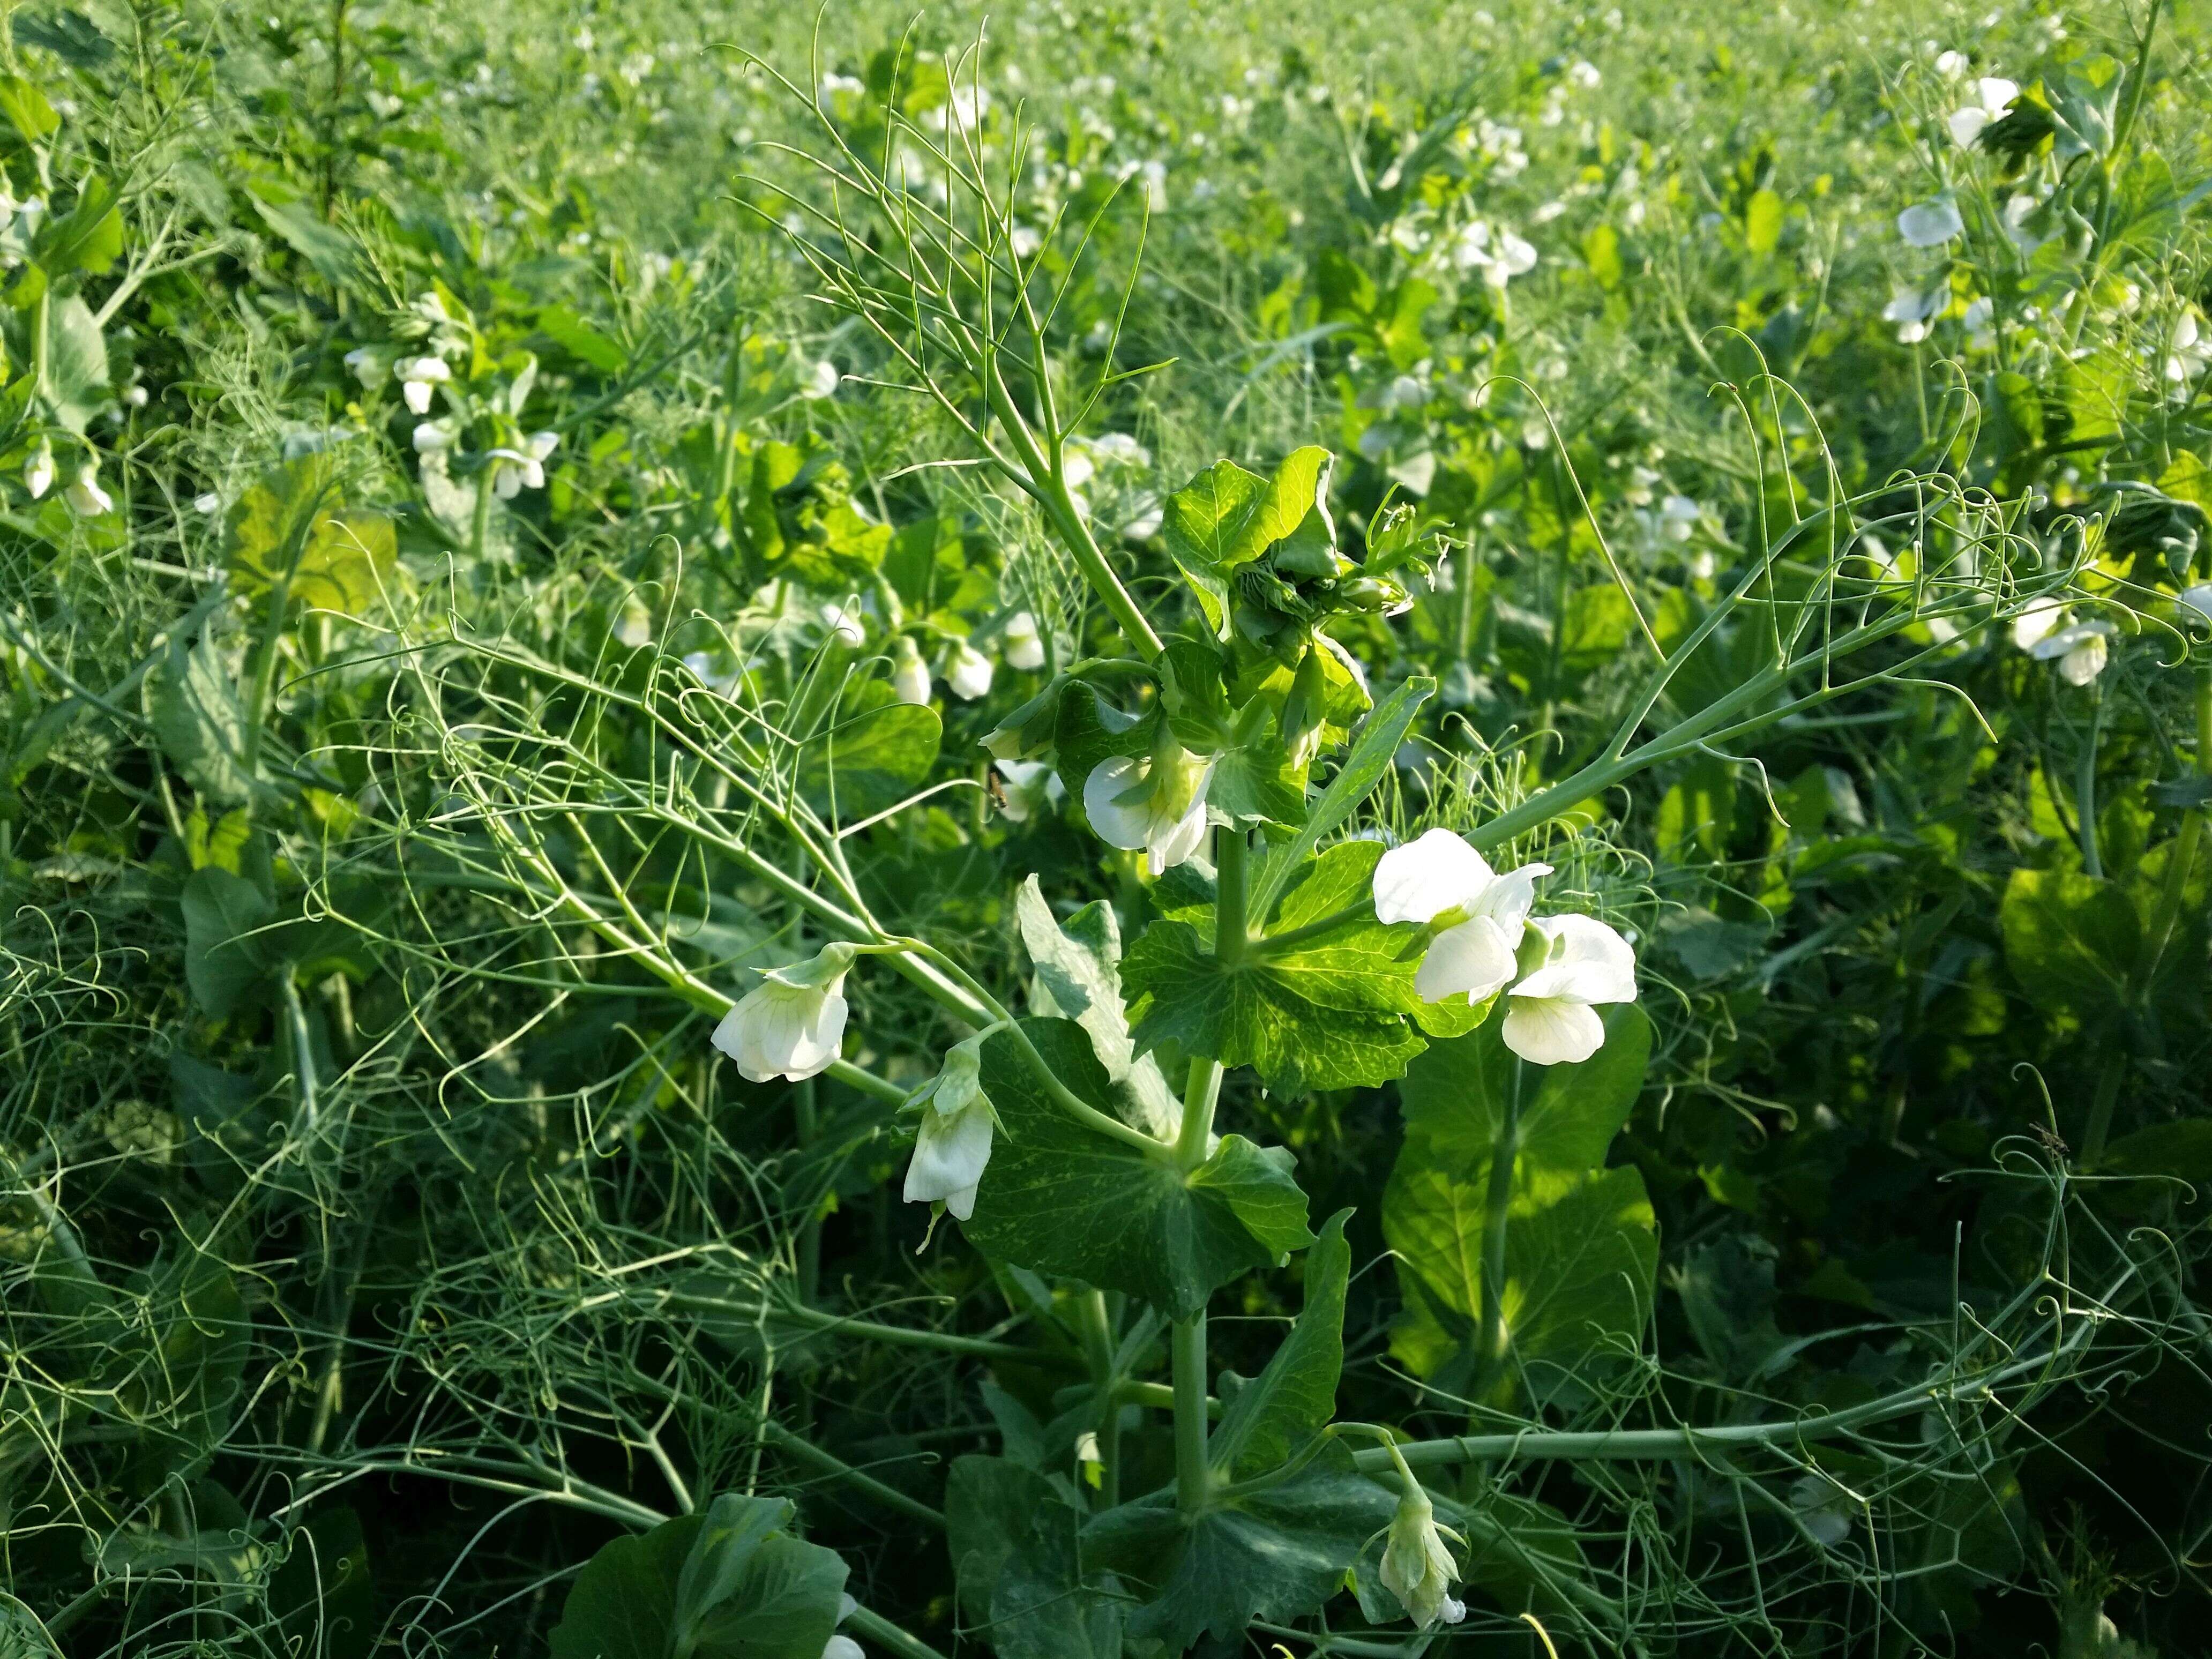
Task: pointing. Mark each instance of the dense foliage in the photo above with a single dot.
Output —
(1243, 827)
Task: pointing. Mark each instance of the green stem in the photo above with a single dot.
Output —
(1098, 1351)
(2085, 788)
(480, 522)
(884, 1634)
(808, 1123)
(1498, 1204)
(1193, 1484)
(2100, 1109)
(1202, 1092)
(897, 1336)
(802, 1451)
(1231, 931)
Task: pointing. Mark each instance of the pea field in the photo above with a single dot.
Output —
(1108, 829)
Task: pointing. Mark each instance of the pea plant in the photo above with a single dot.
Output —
(1127, 836)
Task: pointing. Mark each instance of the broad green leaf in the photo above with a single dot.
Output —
(1277, 1552)
(1261, 1012)
(1225, 517)
(26, 109)
(1013, 1538)
(1059, 1198)
(328, 249)
(1076, 974)
(877, 752)
(1372, 752)
(294, 528)
(76, 360)
(2070, 940)
(726, 1584)
(1088, 731)
(1280, 1410)
(88, 238)
(192, 702)
(623, 1605)
(1762, 222)
(227, 953)
(1581, 1245)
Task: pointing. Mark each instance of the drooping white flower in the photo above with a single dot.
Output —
(820, 382)
(846, 625)
(968, 672)
(366, 363)
(790, 1026)
(208, 505)
(432, 437)
(1551, 1013)
(1979, 322)
(85, 496)
(2035, 622)
(1442, 883)
(2081, 649)
(1416, 1567)
(1990, 97)
(840, 1646)
(1911, 308)
(38, 471)
(1028, 785)
(1678, 517)
(514, 471)
(1951, 64)
(953, 1142)
(909, 673)
(2198, 598)
(1025, 648)
(418, 378)
(2189, 349)
(1154, 805)
(1931, 223)
(134, 397)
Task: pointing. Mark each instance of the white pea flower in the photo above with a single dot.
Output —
(1980, 324)
(1477, 914)
(2199, 599)
(2190, 349)
(1550, 1014)
(2035, 622)
(968, 672)
(208, 505)
(821, 382)
(1951, 64)
(134, 397)
(909, 673)
(85, 496)
(2081, 649)
(791, 1024)
(1992, 94)
(418, 378)
(1154, 805)
(954, 1143)
(846, 624)
(1417, 1568)
(514, 471)
(1028, 786)
(1024, 647)
(1931, 223)
(1911, 308)
(1584, 74)
(368, 364)
(1678, 517)
(432, 437)
(38, 471)
(844, 1647)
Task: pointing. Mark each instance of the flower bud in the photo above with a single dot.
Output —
(952, 1143)
(1417, 1568)
(909, 674)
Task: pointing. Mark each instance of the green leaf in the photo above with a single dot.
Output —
(1581, 1244)
(879, 751)
(88, 238)
(1377, 745)
(2070, 940)
(1059, 1198)
(76, 360)
(329, 249)
(294, 528)
(1278, 1410)
(226, 954)
(728, 1584)
(26, 109)
(1762, 222)
(1015, 1556)
(1088, 730)
(1261, 1012)
(193, 700)
(623, 1605)
(1276, 1552)
(1225, 517)
(1075, 974)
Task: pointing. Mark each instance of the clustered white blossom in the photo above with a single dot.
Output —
(1556, 971)
(2045, 631)
(1154, 805)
